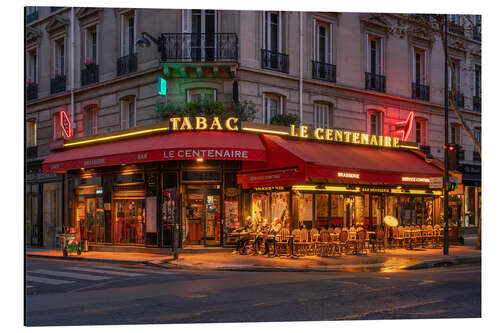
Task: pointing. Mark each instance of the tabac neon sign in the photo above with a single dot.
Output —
(66, 124)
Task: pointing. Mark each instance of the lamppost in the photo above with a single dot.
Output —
(445, 180)
(143, 42)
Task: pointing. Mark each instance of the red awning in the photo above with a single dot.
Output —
(172, 146)
(338, 162)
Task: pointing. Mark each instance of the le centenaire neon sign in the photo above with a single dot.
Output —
(66, 124)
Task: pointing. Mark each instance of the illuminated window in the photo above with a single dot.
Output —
(128, 112)
(375, 123)
(203, 94)
(56, 126)
(90, 115)
(321, 115)
(421, 131)
(272, 105)
(31, 133)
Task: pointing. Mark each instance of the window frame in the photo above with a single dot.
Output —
(266, 106)
(328, 26)
(125, 109)
(380, 122)
(266, 31)
(32, 66)
(379, 56)
(91, 115)
(125, 45)
(477, 136)
(88, 45)
(59, 59)
(423, 64)
(324, 118)
(423, 123)
(57, 131)
(202, 92)
(457, 138)
(458, 74)
(31, 133)
(477, 81)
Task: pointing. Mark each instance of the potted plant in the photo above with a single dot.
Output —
(89, 64)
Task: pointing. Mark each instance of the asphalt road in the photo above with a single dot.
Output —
(84, 293)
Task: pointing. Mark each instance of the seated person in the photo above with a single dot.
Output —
(250, 226)
(274, 230)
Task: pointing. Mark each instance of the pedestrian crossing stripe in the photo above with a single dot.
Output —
(138, 270)
(71, 275)
(39, 279)
(104, 271)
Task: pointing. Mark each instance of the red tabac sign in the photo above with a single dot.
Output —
(66, 124)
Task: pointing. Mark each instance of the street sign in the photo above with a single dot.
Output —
(453, 180)
(162, 86)
(436, 182)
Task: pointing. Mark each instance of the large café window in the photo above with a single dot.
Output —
(266, 207)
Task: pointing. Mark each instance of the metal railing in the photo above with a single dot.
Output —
(420, 91)
(31, 91)
(198, 47)
(53, 9)
(374, 82)
(324, 71)
(126, 64)
(58, 84)
(455, 28)
(459, 99)
(32, 17)
(476, 103)
(32, 152)
(90, 74)
(274, 61)
(476, 156)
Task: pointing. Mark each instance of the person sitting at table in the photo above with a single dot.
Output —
(262, 232)
(275, 229)
(243, 241)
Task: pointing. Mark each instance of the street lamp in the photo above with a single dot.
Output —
(446, 162)
(145, 41)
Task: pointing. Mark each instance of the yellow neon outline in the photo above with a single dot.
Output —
(327, 188)
(409, 147)
(107, 138)
(264, 131)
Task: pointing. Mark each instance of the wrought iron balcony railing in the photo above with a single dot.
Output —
(476, 156)
(455, 28)
(274, 61)
(90, 74)
(374, 82)
(31, 91)
(420, 91)
(324, 71)
(58, 84)
(198, 47)
(460, 152)
(127, 64)
(32, 152)
(476, 103)
(32, 17)
(459, 99)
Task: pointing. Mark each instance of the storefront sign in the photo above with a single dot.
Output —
(375, 190)
(204, 124)
(436, 182)
(232, 192)
(357, 138)
(269, 188)
(415, 179)
(66, 124)
(223, 154)
(348, 175)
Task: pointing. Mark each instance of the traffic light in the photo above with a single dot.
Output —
(451, 151)
(451, 186)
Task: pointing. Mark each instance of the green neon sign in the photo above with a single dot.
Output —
(162, 86)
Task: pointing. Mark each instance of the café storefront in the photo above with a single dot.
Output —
(204, 177)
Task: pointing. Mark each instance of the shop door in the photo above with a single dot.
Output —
(202, 221)
(377, 211)
(35, 198)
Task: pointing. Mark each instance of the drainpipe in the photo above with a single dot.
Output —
(300, 67)
(72, 68)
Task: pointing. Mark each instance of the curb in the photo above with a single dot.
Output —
(443, 263)
(114, 261)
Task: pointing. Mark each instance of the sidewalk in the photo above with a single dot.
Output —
(392, 260)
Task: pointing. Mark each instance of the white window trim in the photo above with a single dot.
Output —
(266, 111)
(370, 36)
(458, 130)
(266, 40)
(381, 121)
(424, 131)
(29, 65)
(477, 93)
(124, 119)
(55, 61)
(424, 78)
(329, 42)
(124, 32)
(459, 76)
(325, 115)
(190, 90)
(33, 122)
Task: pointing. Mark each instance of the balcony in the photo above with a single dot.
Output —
(420, 91)
(32, 17)
(455, 28)
(126, 64)
(460, 152)
(32, 152)
(374, 82)
(459, 99)
(53, 9)
(476, 157)
(274, 61)
(324, 71)
(196, 47)
(476, 103)
(31, 91)
(58, 84)
(90, 74)
(476, 33)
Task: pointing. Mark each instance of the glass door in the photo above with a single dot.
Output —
(202, 224)
(212, 230)
(203, 26)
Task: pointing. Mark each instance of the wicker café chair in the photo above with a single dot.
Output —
(426, 235)
(314, 236)
(323, 244)
(352, 241)
(380, 240)
(417, 235)
(361, 239)
(398, 236)
(343, 241)
(407, 236)
(304, 242)
(296, 241)
(282, 242)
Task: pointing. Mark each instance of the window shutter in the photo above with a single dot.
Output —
(124, 114)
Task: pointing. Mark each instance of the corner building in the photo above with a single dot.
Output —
(351, 74)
